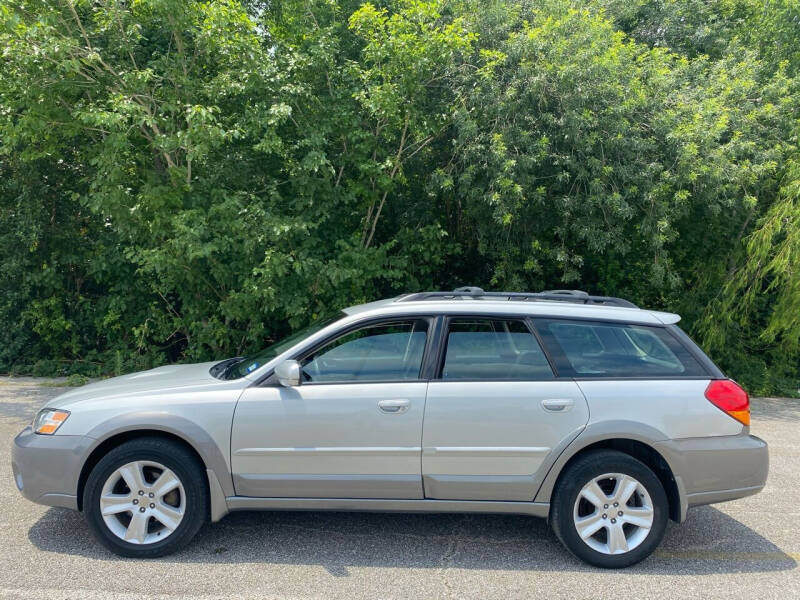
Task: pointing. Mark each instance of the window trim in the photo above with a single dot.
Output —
(562, 358)
(442, 348)
(553, 366)
(371, 322)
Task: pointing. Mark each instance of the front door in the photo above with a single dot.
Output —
(352, 428)
(495, 413)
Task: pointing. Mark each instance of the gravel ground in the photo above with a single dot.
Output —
(744, 549)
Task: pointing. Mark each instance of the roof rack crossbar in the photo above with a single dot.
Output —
(573, 296)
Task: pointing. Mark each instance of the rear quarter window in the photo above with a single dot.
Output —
(602, 349)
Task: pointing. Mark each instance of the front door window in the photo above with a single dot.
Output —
(379, 352)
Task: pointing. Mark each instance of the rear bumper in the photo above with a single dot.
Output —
(700, 498)
(46, 467)
(717, 469)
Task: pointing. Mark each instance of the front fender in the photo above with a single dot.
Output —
(212, 451)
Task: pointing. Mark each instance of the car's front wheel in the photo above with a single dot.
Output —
(609, 509)
(146, 498)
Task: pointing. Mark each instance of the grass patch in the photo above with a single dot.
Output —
(73, 380)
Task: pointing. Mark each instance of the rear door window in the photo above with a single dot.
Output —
(486, 349)
(600, 349)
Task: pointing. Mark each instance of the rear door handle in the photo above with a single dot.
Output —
(394, 406)
(558, 404)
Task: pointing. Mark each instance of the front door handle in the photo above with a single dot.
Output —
(557, 404)
(394, 406)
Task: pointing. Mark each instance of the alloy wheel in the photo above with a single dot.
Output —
(142, 502)
(613, 513)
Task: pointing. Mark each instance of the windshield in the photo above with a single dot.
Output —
(248, 364)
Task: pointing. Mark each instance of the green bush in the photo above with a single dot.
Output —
(76, 380)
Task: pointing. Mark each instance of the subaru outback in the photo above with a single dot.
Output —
(604, 418)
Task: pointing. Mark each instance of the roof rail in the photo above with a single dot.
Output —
(470, 292)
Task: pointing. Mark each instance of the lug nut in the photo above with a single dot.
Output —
(605, 505)
(141, 492)
(135, 501)
(616, 503)
(142, 509)
(605, 516)
(613, 520)
(151, 494)
(153, 506)
(619, 514)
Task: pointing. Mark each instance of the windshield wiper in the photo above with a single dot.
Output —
(220, 370)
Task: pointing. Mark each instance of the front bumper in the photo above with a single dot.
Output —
(46, 468)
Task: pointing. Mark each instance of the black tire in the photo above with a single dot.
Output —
(173, 456)
(571, 482)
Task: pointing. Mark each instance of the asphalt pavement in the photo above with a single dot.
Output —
(744, 549)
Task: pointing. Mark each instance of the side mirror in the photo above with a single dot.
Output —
(288, 373)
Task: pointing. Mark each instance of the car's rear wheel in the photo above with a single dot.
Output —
(146, 498)
(609, 509)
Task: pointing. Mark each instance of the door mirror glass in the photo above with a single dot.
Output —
(288, 373)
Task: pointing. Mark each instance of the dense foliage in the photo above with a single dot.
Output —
(190, 180)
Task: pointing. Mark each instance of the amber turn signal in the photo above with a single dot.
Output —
(49, 420)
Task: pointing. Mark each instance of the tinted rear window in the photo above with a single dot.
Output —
(485, 349)
(598, 349)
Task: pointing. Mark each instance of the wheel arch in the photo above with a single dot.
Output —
(110, 435)
(104, 447)
(639, 445)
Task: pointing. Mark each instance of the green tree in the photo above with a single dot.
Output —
(191, 180)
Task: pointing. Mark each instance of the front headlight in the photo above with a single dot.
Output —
(49, 420)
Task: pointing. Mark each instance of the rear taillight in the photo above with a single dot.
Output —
(729, 396)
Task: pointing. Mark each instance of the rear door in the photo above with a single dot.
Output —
(494, 413)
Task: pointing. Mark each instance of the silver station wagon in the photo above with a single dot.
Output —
(600, 416)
